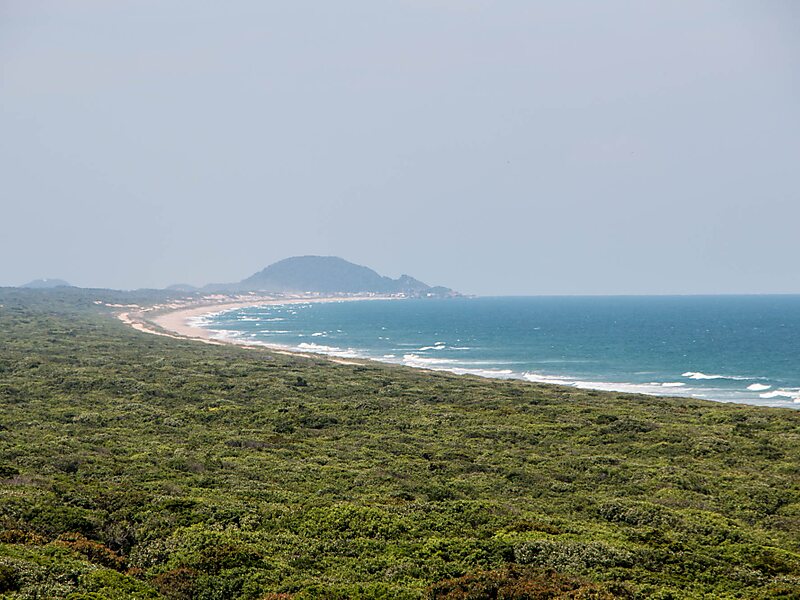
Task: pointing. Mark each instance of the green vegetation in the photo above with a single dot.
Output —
(138, 466)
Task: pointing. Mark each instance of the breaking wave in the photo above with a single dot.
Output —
(698, 375)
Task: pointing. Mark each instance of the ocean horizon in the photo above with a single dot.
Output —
(743, 349)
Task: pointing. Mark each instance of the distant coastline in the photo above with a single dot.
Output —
(557, 345)
(175, 320)
(179, 321)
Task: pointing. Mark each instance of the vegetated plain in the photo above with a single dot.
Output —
(139, 466)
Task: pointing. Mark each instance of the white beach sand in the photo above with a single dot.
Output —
(177, 320)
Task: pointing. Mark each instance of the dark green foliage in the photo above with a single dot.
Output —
(9, 578)
(7, 471)
(516, 583)
(138, 466)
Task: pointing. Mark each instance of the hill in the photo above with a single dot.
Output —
(333, 275)
(46, 283)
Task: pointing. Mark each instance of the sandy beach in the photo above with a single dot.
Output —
(176, 320)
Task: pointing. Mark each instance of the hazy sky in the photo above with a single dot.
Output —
(497, 147)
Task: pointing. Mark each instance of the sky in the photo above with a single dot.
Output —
(513, 147)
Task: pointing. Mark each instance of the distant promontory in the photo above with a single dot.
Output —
(328, 275)
(46, 283)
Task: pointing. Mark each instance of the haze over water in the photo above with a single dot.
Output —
(727, 348)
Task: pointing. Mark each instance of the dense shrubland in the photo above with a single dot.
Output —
(135, 466)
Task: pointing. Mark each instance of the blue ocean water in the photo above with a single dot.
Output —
(727, 348)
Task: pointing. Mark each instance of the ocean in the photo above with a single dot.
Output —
(728, 348)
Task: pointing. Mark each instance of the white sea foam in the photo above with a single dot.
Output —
(613, 386)
(653, 388)
(493, 363)
(490, 373)
(540, 378)
(317, 347)
(758, 387)
(227, 335)
(417, 360)
(781, 393)
(436, 346)
(320, 334)
(698, 375)
(441, 364)
(328, 350)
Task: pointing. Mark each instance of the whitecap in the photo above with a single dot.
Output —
(539, 378)
(698, 375)
(435, 346)
(781, 393)
(329, 350)
(649, 389)
(758, 387)
(490, 373)
(440, 364)
(416, 359)
(313, 346)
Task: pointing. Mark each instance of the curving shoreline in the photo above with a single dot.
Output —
(180, 321)
(175, 320)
